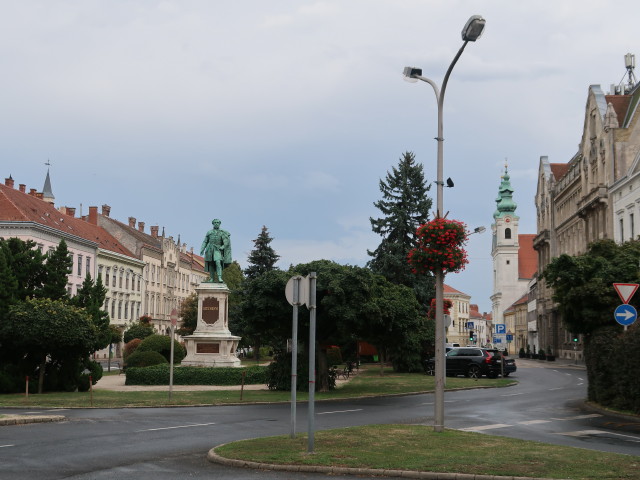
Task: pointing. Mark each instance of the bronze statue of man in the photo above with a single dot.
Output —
(216, 250)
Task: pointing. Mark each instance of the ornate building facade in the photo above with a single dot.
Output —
(596, 195)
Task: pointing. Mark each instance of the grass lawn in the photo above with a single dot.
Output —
(367, 382)
(418, 447)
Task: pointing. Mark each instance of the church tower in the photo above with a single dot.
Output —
(507, 285)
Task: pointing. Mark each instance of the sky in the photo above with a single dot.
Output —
(288, 113)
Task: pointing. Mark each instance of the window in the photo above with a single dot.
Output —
(80, 265)
(507, 233)
(622, 230)
(100, 271)
(88, 270)
(631, 226)
(106, 282)
(126, 309)
(120, 309)
(113, 309)
(113, 283)
(121, 276)
(127, 282)
(139, 282)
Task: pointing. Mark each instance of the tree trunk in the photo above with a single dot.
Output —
(41, 374)
(323, 371)
(382, 359)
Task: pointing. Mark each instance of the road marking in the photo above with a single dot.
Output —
(534, 422)
(557, 388)
(511, 394)
(179, 426)
(579, 417)
(581, 379)
(583, 433)
(340, 411)
(485, 427)
(4, 446)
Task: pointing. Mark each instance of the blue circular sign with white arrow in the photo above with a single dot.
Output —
(625, 314)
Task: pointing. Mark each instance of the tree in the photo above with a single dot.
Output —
(583, 285)
(26, 263)
(58, 267)
(263, 257)
(140, 330)
(43, 328)
(404, 207)
(189, 315)
(91, 297)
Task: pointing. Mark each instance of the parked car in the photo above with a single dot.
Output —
(473, 362)
(509, 363)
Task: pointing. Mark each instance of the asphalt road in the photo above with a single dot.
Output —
(170, 443)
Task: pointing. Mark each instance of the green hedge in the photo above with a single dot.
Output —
(612, 358)
(159, 375)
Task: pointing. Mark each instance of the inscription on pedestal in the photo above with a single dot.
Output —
(207, 348)
(210, 310)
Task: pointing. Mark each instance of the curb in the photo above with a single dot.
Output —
(26, 419)
(213, 457)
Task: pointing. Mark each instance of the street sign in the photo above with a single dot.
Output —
(303, 295)
(447, 320)
(625, 314)
(497, 340)
(509, 338)
(470, 325)
(501, 328)
(625, 290)
(174, 317)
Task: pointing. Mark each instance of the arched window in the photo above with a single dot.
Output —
(507, 233)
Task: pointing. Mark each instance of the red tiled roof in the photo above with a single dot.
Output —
(448, 289)
(620, 105)
(527, 256)
(17, 206)
(559, 169)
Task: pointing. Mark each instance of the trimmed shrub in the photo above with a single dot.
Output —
(162, 345)
(130, 347)
(144, 359)
(138, 330)
(159, 375)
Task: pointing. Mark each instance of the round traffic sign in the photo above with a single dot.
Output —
(303, 296)
(625, 314)
(174, 317)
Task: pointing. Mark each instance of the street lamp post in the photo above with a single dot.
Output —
(470, 33)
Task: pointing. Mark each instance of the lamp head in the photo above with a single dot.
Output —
(473, 28)
(410, 74)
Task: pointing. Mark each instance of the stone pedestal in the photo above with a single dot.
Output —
(212, 344)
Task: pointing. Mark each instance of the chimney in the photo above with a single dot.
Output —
(71, 211)
(23, 187)
(154, 231)
(39, 195)
(9, 182)
(93, 215)
(141, 226)
(106, 210)
(132, 222)
(32, 192)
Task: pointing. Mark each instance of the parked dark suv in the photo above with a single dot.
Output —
(473, 362)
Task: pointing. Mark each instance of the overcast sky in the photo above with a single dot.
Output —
(287, 113)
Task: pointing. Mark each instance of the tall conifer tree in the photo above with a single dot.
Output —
(263, 257)
(404, 206)
(58, 267)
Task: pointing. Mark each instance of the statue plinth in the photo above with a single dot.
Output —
(212, 344)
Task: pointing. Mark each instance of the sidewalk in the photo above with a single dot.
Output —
(557, 363)
(116, 383)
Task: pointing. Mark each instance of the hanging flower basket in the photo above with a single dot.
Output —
(440, 247)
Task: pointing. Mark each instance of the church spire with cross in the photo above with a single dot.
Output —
(47, 193)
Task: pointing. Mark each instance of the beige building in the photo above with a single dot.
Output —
(591, 197)
(169, 273)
